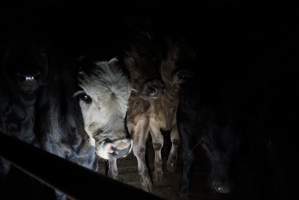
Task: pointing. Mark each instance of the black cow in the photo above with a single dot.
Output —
(60, 119)
(23, 78)
(24, 71)
(206, 120)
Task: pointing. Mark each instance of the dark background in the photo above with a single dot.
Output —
(250, 47)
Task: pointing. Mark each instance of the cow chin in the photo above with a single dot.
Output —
(114, 150)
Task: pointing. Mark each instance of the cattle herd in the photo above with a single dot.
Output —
(83, 108)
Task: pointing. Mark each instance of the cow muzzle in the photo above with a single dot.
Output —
(114, 149)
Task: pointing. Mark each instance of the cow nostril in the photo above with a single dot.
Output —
(114, 149)
(122, 144)
(123, 147)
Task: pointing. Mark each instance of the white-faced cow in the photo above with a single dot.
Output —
(87, 110)
(104, 104)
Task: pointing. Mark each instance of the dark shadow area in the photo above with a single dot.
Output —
(247, 55)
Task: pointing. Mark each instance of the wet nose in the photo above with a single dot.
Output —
(121, 148)
(222, 188)
(115, 149)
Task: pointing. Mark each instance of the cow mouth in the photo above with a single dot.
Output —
(114, 149)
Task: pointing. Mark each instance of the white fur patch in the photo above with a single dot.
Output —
(109, 89)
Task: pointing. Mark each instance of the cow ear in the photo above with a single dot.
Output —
(113, 61)
(80, 62)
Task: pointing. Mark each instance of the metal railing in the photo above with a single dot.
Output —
(70, 178)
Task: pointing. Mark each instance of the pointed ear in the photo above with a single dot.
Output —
(80, 62)
(113, 61)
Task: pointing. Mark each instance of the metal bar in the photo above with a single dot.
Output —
(70, 178)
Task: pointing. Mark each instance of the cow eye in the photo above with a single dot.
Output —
(86, 98)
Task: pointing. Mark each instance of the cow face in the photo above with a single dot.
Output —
(221, 144)
(143, 61)
(25, 68)
(103, 101)
(177, 67)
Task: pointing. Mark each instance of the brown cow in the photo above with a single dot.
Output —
(143, 60)
(153, 107)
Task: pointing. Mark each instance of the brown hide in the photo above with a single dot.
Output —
(151, 115)
(143, 60)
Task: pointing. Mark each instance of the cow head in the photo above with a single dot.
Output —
(143, 61)
(103, 99)
(221, 144)
(25, 68)
(176, 67)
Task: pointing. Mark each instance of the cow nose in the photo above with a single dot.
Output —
(114, 149)
(122, 147)
(222, 188)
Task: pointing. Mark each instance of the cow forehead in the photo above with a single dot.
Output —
(104, 79)
(109, 99)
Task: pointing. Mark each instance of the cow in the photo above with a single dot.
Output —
(142, 60)
(153, 103)
(87, 105)
(107, 129)
(24, 70)
(207, 121)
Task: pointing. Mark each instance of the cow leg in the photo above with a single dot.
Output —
(140, 136)
(112, 168)
(158, 141)
(173, 155)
